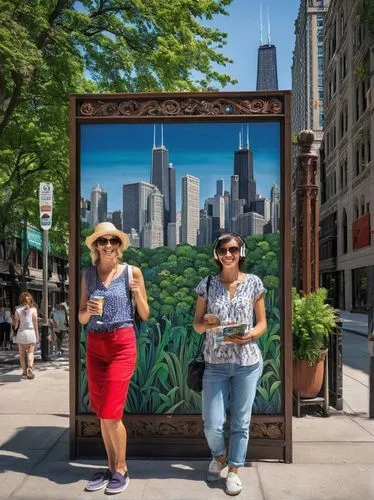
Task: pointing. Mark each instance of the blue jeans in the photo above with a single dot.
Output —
(234, 386)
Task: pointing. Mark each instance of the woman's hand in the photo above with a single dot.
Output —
(211, 320)
(241, 339)
(93, 307)
(136, 286)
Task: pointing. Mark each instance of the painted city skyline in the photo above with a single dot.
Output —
(184, 184)
(205, 150)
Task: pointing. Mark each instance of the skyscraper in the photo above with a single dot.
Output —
(163, 177)
(274, 207)
(171, 227)
(99, 205)
(219, 188)
(135, 206)
(215, 207)
(243, 168)
(190, 208)
(267, 74)
(153, 236)
(117, 219)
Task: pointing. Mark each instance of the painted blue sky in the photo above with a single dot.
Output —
(113, 155)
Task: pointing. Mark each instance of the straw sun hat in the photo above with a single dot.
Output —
(107, 228)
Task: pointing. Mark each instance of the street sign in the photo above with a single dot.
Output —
(45, 204)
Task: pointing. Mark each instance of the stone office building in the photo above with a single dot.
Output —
(347, 174)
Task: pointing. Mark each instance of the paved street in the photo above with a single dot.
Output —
(333, 457)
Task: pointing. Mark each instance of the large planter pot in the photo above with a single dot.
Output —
(308, 379)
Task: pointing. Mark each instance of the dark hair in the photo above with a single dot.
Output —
(224, 238)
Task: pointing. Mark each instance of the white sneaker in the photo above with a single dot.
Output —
(214, 470)
(233, 484)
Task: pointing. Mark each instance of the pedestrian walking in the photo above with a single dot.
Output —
(60, 325)
(233, 365)
(7, 325)
(2, 329)
(106, 308)
(26, 325)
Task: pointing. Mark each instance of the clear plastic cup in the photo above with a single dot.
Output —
(100, 300)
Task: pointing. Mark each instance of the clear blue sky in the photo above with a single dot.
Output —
(243, 29)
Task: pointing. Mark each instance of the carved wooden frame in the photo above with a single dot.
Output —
(182, 435)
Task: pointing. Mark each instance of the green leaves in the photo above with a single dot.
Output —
(312, 323)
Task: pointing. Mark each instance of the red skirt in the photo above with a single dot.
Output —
(111, 361)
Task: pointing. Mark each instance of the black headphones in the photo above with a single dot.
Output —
(229, 235)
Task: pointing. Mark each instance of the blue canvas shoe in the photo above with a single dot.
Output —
(118, 483)
(99, 480)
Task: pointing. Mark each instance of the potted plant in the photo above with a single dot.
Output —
(312, 322)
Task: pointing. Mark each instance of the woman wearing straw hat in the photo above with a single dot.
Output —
(106, 308)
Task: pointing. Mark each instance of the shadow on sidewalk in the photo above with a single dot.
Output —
(11, 378)
(43, 452)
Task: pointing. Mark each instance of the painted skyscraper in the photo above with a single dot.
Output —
(99, 205)
(163, 177)
(135, 206)
(267, 74)
(243, 168)
(190, 208)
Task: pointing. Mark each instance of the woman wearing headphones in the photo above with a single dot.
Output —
(232, 368)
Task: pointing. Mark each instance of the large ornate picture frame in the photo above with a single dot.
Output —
(120, 147)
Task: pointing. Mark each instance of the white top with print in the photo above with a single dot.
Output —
(238, 310)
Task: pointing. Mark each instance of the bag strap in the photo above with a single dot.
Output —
(202, 337)
(129, 279)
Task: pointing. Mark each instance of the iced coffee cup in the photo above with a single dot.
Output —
(100, 301)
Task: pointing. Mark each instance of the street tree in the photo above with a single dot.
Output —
(51, 48)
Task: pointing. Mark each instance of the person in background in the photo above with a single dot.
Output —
(232, 370)
(7, 325)
(2, 330)
(26, 325)
(106, 308)
(60, 326)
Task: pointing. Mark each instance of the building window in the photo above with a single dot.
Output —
(360, 289)
(33, 258)
(356, 212)
(345, 232)
(357, 166)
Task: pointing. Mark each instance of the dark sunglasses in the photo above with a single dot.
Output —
(104, 241)
(232, 250)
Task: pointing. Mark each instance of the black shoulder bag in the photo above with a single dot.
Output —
(195, 370)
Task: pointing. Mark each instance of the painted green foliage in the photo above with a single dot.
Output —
(167, 341)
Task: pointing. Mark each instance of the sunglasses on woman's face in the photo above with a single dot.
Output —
(104, 241)
(231, 250)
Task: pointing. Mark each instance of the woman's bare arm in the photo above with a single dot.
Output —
(137, 287)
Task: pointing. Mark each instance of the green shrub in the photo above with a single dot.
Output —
(312, 322)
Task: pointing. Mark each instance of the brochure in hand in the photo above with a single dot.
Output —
(225, 332)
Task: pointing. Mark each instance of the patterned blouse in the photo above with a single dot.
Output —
(238, 310)
(117, 312)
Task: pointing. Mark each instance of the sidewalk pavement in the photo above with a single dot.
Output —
(333, 458)
(355, 322)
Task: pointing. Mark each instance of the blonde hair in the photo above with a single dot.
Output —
(95, 256)
(25, 299)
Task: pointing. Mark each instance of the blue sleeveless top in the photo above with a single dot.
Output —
(117, 312)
